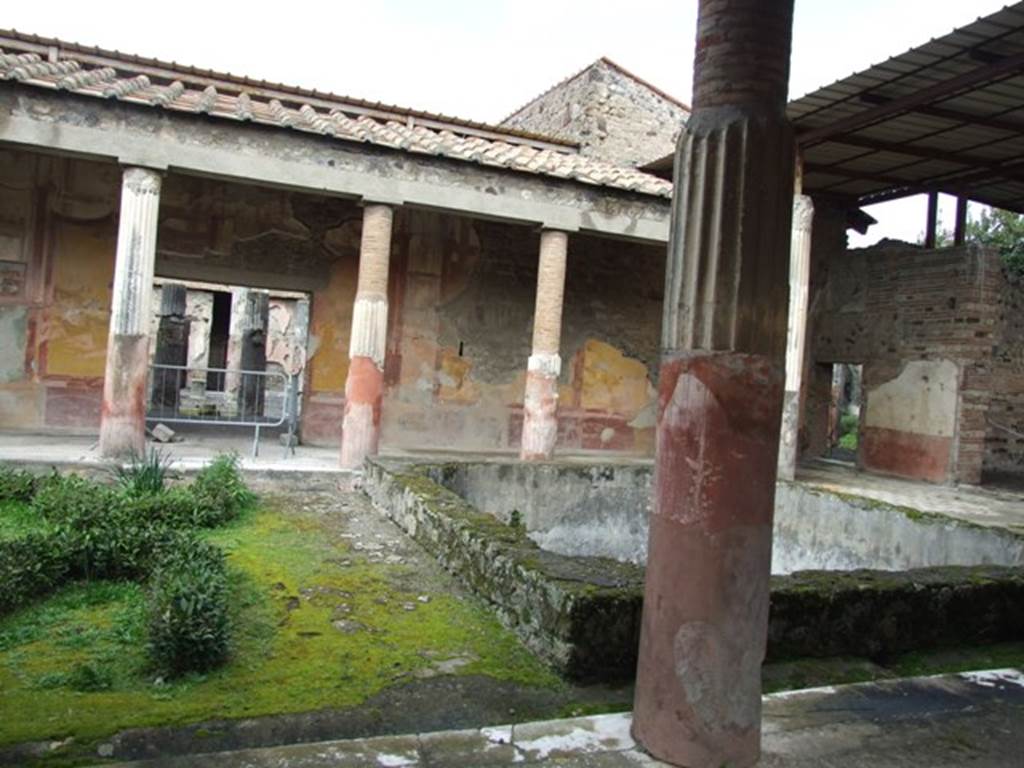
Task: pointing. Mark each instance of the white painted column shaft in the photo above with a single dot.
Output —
(370, 313)
(796, 337)
(136, 253)
(122, 420)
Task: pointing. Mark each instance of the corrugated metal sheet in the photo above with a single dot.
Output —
(946, 116)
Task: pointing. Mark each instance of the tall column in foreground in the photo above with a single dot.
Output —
(364, 388)
(796, 335)
(540, 403)
(705, 615)
(123, 416)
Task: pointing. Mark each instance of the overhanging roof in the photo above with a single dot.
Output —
(947, 116)
(56, 65)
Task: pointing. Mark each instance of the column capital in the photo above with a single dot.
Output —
(384, 200)
(128, 162)
(141, 180)
(560, 226)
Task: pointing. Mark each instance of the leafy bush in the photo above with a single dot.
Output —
(175, 507)
(144, 474)
(73, 500)
(188, 610)
(220, 492)
(16, 484)
(31, 566)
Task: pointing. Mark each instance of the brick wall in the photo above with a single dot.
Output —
(923, 324)
(611, 114)
(1004, 444)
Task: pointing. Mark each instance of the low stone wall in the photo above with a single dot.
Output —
(568, 508)
(820, 529)
(582, 614)
(881, 613)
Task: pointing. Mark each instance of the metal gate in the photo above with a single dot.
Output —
(181, 394)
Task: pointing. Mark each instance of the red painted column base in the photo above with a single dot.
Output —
(705, 616)
(123, 413)
(360, 429)
(540, 419)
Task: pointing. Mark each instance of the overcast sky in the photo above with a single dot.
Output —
(482, 59)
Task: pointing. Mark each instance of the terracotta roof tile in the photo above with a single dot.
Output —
(233, 103)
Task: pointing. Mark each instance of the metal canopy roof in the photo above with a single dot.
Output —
(947, 116)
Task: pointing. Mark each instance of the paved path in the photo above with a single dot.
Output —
(950, 721)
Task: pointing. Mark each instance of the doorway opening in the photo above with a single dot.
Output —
(845, 412)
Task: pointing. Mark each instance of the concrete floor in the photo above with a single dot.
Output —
(197, 448)
(941, 722)
(983, 505)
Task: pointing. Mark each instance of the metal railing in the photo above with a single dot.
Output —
(181, 394)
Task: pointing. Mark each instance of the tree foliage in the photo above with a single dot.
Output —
(1003, 230)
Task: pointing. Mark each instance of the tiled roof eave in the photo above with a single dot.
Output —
(69, 76)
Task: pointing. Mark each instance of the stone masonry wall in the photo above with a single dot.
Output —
(923, 324)
(612, 115)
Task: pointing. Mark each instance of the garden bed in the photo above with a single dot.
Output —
(329, 610)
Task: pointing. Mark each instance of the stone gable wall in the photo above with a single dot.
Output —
(612, 116)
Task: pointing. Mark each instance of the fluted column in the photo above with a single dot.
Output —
(123, 415)
(540, 402)
(705, 615)
(364, 387)
(796, 334)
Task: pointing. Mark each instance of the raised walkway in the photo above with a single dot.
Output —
(948, 721)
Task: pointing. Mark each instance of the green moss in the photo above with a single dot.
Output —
(995, 656)
(288, 589)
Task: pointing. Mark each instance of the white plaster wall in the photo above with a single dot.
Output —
(921, 400)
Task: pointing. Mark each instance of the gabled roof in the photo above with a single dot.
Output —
(942, 117)
(93, 72)
(609, 63)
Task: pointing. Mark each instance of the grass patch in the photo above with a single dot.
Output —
(314, 626)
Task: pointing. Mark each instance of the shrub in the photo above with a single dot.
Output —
(16, 484)
(30, 566)
(175, 507)
(72, 500)
(144, 474)
(220, 492)
(188, 610)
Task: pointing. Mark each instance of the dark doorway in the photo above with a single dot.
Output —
(220, 331)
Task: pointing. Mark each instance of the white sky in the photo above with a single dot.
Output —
(482, 59)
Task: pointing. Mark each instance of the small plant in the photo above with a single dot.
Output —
(89, 677)
(849, 427)
(143, 474)
(188, 610)
(220, 492)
